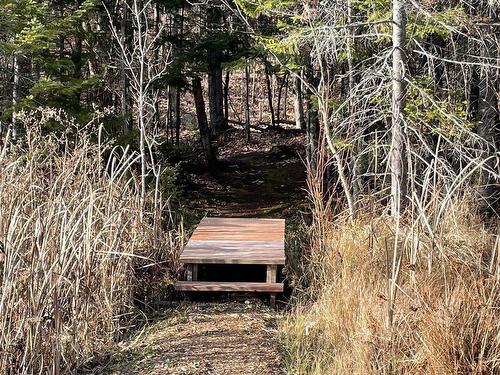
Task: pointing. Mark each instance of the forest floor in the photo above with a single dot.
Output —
(232, 334)
(263, 178)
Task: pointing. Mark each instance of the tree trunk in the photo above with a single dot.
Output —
(177, 114)
(312, 122)
(215, 84)
(177, 28)
(174, 113)
(247, 102)
(226, 97)
(215, 99)
(78, 62)
(280, 93)
(488, 123)
(156, 54)
(285, 103)
(205, 135)
(269, 93)
(352, 136)
(396, 152)
(124, 94)
(298, 103)
(15, 97)
(474, 94)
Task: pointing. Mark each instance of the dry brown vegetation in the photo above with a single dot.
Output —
(75, 248)
(418, 297)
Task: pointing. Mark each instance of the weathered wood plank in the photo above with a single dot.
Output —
(232, 260)
(249, 252)
(239, 229)
(271, 273)
(193, 286)
(236, 241)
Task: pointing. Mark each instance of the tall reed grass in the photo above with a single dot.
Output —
(74, 248)
(418, 296)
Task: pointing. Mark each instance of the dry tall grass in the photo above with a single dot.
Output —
(72, 240)
(429, 305)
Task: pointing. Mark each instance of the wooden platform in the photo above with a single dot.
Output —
(211, 286)
(235, 241)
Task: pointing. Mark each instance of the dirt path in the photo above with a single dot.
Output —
(264, 179)
(203, 339)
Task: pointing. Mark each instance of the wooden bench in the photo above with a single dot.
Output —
(235, 241)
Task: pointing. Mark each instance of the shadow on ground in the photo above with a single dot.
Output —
(255, 184)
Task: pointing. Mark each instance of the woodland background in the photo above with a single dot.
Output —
(107, 108)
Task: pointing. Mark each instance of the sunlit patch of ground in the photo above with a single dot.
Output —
(202, 339)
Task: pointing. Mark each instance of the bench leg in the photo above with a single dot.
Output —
(272, 277)
(195, 272)
(192, 272)
(272, 300)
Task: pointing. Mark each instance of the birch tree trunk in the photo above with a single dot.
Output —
(312, 119)
(298, 103)
(398, 93)
(141, 97)
(15, 96)
(124, 81)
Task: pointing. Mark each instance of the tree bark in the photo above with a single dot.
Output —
(174, 113)
(177, 28)
(15, 97)
(474, 94)
(247, 102)
(280, 93)
(226, 97)
(156, 54)
(487, 128)
(215, 84)
(398, 105)
(352, 136)
(269, 93)
(205, 135)
(177, 114)
(312, 122)
(298, 103)
(124, 82)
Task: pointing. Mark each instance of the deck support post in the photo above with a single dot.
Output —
(195, 272)
(272, 277)
(192, 272)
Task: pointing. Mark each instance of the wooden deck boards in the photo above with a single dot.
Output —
(236, 241)
(211, 286)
